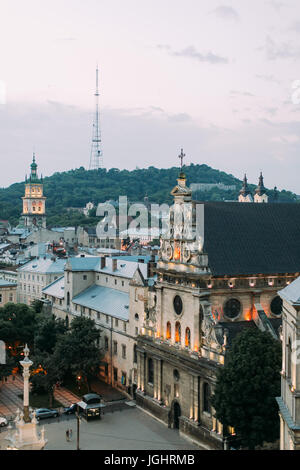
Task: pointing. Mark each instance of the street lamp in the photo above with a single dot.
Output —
(78, 426)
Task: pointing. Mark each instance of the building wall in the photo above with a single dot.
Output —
(8, 294)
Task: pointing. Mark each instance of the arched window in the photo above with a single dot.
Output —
(188, 337)
(169, 331)
(68, 299)
(150, 371)
(134, 354)
(206, 397)
(177, 332)
(289, 359)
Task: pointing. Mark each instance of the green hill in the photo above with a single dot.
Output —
(75, 188)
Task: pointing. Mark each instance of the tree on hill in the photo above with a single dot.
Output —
(75, 188)
(246, 388)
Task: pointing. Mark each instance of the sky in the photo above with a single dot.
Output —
(219, 79)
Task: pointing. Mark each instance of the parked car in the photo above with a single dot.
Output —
(45, 413)
(3, 421)
(70, 409)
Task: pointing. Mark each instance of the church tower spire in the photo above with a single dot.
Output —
(260, 191)
(34, 202)
(245, 193)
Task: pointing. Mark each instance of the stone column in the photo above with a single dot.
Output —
(191, 397)
(159, 380)
(155, 382)
(196, 402)
(139, 370)
(26, 364)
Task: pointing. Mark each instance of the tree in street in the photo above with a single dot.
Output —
(246, 388)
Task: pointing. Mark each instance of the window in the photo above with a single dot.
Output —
(168, 331)
(150, 371)
(115, 375)
(136, 317)
(123, 283)
(68, 299)
(106, 343)
(116, 322)
(106, 318)
(85, 277)
(232, 308)
(187, 338)
(177, 332)
(0, 298)
(136, 331)
(124, 326)
(177, 303)
(206, 397)
(106, 369)
(123, 351)
(116, 281)
(115, 347)
(98, 316)
(276, 306)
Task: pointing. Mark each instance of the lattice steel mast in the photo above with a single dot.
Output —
(96, 159)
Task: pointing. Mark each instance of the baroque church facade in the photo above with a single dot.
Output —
(216, 275)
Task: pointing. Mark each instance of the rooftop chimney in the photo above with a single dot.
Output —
(114, 264)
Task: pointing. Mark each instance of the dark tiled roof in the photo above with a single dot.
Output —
(234, 328)
(276, 323)
(252, 238)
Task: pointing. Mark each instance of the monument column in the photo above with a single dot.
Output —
(26, 364)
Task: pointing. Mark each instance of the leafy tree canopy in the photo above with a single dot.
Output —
(246, 388)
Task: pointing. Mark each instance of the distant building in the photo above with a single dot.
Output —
(37, 274)
(8, 292)
(10, 276)
(34, 202)
(245, 193)
(208, 186)
(89, 206)
(260, 194)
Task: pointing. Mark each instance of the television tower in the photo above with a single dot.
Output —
(96, 159)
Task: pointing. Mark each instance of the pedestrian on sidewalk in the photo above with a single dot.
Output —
(67, 435)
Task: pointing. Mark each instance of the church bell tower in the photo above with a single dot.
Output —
(34, 202)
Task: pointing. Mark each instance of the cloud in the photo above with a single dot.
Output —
(180, 117)
(191, 52)
(268, 78)
(226, 12)
(276, 5)
(234, 93)
(62, 139)
(271, 111)
(284, 50)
